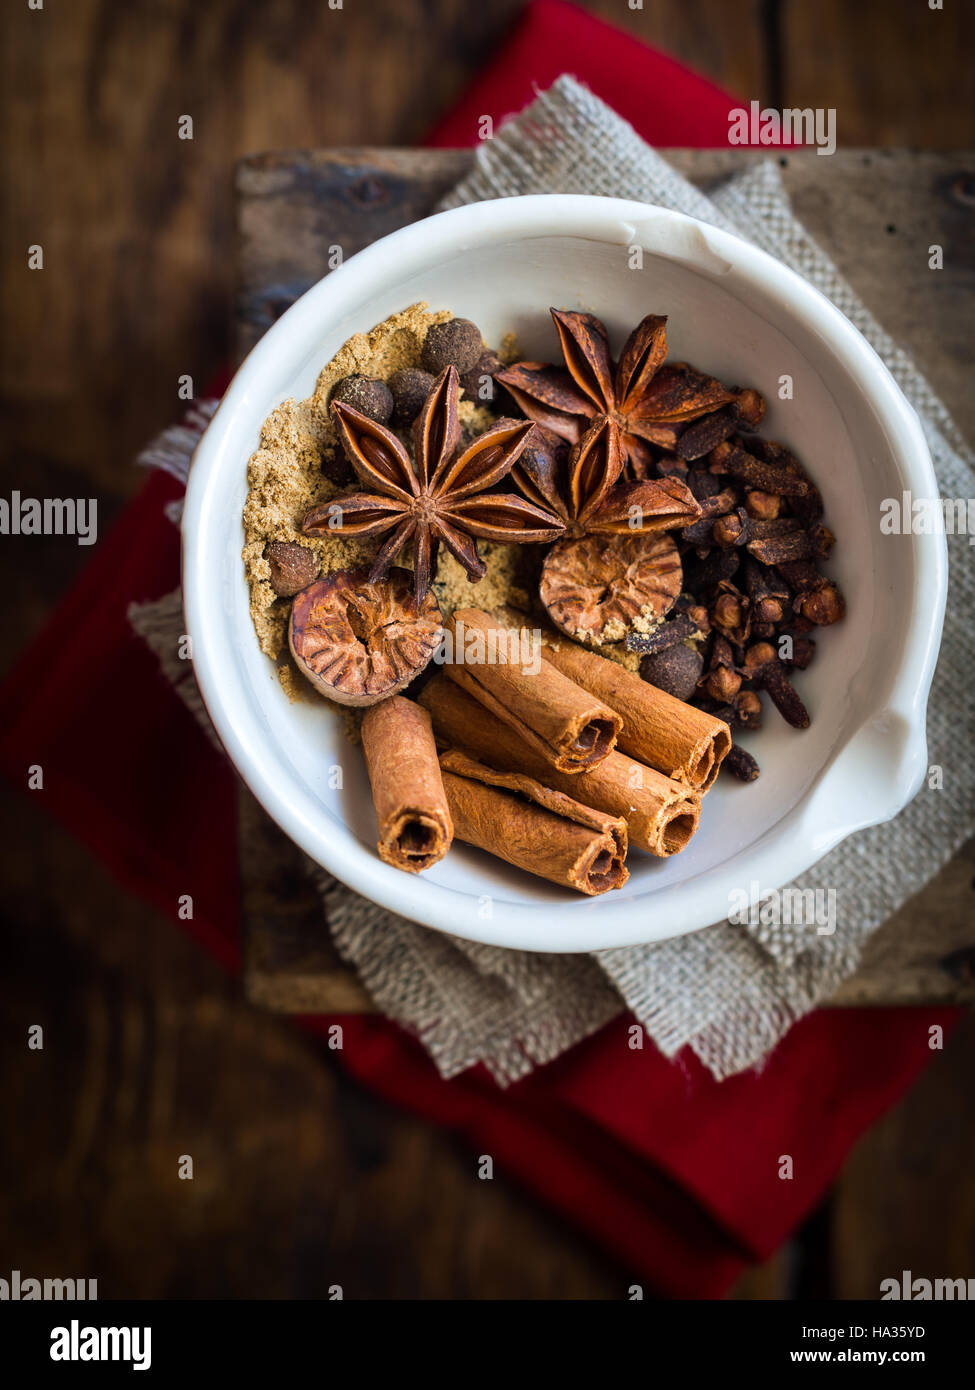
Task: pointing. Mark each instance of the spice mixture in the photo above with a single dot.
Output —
(300, 465)
(627, 507)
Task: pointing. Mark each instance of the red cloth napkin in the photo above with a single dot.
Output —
(664, 101)
(675, 1174)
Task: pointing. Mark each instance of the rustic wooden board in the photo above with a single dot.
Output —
(294, 208)
(876, 212)
(290, 964)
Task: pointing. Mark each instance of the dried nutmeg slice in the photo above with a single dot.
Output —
(595, 587)
(359, 642)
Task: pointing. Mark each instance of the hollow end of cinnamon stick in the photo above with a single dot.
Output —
(593, 742)
(604, 872)
(704, 764)
(699, 769)
(679, 828)
(413, 841)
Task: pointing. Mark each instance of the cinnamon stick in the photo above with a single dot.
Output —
(415, 829)
(534, 827)
(658, 729)
(563, 722)
(661, 815)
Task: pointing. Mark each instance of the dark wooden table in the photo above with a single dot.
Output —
(875, 212)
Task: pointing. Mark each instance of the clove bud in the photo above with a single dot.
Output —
(704, 435)
(732, 460)
(699, 532)
(762, 666)
(815, 597)
(765, 506)
(721, 680)
(750, 406)
(730, 613)
(768, 592)
(740, 764)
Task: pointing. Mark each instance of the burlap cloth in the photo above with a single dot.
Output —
(729, 992)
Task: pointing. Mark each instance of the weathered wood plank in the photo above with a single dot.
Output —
(925, 953)
(852, 58)
(290, 964)
(905, 1199)
(297, 210)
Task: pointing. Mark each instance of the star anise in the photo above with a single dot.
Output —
(439, 495)
(591, 499)
(647, 402)
(614, 566)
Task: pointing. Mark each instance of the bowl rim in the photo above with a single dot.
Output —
(777, 857)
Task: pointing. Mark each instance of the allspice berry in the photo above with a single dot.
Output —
(478, 384)
(366, 394)
(410, 387)
(676, 670)
(455, 343)
(293, 567)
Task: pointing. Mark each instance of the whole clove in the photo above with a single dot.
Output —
(740, 764)
(722, 680)
(750, 406)
(763, 668)
(768, 592)
(732, 529)
(764, 506)
(821, 540)
(744, 711)
(748, 708)
(814, 596)
(807, 504)
(741, 528)
(731, 613)
(822, 606)
(704, 435)
(700, 531)
(731, 460)
(781, 549)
